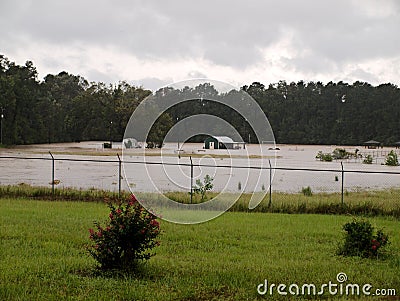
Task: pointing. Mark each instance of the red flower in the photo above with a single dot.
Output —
(133, 200)
(91, 231)
(374, 247)
(154, 223)
(111, 216)
(375, 243)
(119, 211)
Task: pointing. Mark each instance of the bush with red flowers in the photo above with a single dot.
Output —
(127, 238)
(360, 240)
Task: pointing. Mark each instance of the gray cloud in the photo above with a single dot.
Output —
(196, 74)
(152, 83)
(361, 75)
(324, 35)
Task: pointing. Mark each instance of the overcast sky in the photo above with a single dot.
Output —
(153, 43)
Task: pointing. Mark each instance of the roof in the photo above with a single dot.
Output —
(371, 142)
(223, 139)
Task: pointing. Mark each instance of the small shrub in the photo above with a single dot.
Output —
(360, 240)
(340, 153)
(127, 237)
(391, 159)
(239, 186)
(324, 157)
(307, 191)
(203, 187)
(150, 144)
(368, 159)
(327, 157)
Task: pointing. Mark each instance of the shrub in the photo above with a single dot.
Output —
(368, 159)
(307, 191)
(391, 159)
(340, 153)
(324, 157)
(203, 187)
(360, 240)
(127, 237)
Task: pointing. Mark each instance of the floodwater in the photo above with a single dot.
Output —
(160, 173)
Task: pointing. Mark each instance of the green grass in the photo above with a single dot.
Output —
(65, 194)
(369, 203)
(43, 255)
(366, 203)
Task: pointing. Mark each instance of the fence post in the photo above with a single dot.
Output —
(341, 163)
(119, 176)
(191, 180)
(270, 184)
(52, 174)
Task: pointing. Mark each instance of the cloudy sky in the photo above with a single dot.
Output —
(153, 43)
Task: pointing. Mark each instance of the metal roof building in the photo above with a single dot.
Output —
(221, 142)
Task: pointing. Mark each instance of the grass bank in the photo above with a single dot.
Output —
(62, 194)
(43, 256)
(367, 203)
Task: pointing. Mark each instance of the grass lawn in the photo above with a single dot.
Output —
(43, 256)
(369, 203)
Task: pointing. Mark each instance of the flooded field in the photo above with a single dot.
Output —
(169, 170)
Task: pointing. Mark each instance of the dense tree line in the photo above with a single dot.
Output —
(335, 113)
(62, 107)
(66, 107)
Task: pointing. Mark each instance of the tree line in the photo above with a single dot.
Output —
(62, 107)
(66, 107)
(334, 113)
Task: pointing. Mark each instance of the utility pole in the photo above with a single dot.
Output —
(111, 134)
(177, 119)
(1, 125)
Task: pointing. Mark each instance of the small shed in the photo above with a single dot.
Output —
(372, 144)
(131, 143)
(219, 142)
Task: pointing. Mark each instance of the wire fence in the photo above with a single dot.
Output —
(108, 173)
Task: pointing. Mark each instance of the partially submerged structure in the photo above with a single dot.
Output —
(131, 143)
(221, 142)
(371, 144)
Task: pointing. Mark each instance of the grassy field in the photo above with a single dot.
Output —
(43, 256)
(370, 203)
